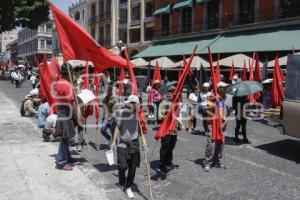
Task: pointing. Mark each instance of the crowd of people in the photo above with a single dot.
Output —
(120, 123)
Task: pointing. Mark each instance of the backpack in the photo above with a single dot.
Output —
(22, 109)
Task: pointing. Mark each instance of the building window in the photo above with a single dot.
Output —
(289, 8)
(123, 1)
(135, 35)
(186, 20)
(101, 9)
(212, 14)
(247, 11)
(136, 14)
(42, 44)
(93, 32)
(123, 35)
(149, 9)
(82, 15)
(123, 16)
(77, 16)
(49, 28)
(165, 24)
(107, 35)
(49, 44)
(93, 10)
(149, 33)
(107, 8)
(101, 35)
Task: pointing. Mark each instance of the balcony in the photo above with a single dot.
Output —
(149, 19)
(105, 16)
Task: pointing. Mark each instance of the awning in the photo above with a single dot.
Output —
(283, 39)
(183, 4)
(201, 1)
(163, 62)
(165, 9)
(238, 61)
(140, 62)
(196, 63)
(177, 48)
(282, 61)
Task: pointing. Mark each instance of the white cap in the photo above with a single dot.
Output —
(34, 92)
(206, 84)
(132, 99)
(222, 84)
(235, 77)
(270, 80)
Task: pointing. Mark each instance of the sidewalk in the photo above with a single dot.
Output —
(27, 164)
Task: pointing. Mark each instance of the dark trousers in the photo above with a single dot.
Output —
(132, 163)
(205, 123)
(111, 125)
(241, 122)
(166, 150)
(156, 110)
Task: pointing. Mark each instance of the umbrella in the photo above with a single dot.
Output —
(245, 88)
(165, 87)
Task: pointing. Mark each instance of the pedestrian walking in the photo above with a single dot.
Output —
(241, 120)
(127, 132)
(193, 98)
(155, 98)
(214, 148)
(203, 104)
(33, 80)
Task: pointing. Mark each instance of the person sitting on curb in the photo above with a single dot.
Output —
(27, 107)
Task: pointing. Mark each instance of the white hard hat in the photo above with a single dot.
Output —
(34, 92)
(132, 99)
(206, 84)
(222, 84)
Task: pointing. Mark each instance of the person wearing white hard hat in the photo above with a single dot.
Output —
(127, 132)
(214, 148)
(27, 107)
(202, 104)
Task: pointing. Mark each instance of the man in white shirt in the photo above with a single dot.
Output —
(33, 81)
(202, 99)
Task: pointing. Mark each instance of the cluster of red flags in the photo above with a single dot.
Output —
(77, 44)
(277, 94)
(170, 121)
(217, 124)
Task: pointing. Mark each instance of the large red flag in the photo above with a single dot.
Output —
(213, 77)
(142, 116)
(170, 121)
(76, 43)
(244, 78)
(47, 81)
(96, 92)
(277, 94)
(156, 75)
(121, 82)
(218, 72)
(232, 72)
(54, 69)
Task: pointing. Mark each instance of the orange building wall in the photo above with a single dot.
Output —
(228, 12)
(266, 10)
(198, 21)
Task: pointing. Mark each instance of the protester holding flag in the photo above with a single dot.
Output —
(64, 125)
(215, 137)
(127, 132)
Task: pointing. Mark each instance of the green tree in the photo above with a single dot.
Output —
(23, 13)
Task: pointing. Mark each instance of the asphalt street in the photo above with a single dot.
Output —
(268, 168)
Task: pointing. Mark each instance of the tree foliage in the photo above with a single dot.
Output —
(23, 13)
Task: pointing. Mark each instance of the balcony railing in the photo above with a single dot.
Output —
(97, 18)
(230, 21)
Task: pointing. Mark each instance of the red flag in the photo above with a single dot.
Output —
(96, 92)
(121, 82)
(170, 121)
(156, 75)
(54, 69)
(76, 43)
(257, 75)
(218, 73)
(277, 94)
(142, 116)
(244, 72)
(36, 61)
(213, 77)
(47, 81)
(89, 108)
(232, 72)
(217, 124)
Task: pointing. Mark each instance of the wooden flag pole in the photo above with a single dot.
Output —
(146, 161)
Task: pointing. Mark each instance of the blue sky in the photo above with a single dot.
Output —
(62, 4)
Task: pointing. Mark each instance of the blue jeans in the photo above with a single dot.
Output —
(111, 125)
(63, 154)
(156, 110)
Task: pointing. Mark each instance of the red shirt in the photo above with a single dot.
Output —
(63, 91)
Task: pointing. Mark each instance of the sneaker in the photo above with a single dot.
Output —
(190, 130)
(66, 167)
(237, 140)
(129, 193)
(207, 168)
(246, 141)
